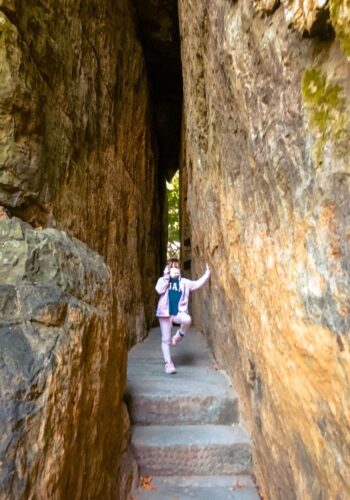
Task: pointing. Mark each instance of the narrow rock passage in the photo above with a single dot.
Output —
(186, 430)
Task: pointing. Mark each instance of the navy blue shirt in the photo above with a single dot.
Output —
(174, 296)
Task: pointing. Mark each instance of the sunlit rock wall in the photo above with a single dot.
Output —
(76, 154)
(267, 102)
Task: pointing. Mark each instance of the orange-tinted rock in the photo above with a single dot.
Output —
(77, 153)
(76, 146)
(266, 6)
(307, 15)
(267, 135)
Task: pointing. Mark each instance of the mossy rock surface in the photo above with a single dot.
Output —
(340, 18)
(327, 111)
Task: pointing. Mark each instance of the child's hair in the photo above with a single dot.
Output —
(173, 260)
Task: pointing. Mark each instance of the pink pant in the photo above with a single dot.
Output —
(165, 326)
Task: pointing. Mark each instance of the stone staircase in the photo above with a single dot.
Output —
(186, 432)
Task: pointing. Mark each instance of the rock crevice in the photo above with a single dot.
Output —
(90, 128)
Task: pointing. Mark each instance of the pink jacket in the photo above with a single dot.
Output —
(186, 286)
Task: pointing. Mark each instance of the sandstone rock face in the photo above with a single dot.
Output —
(57, 402)
(267, 155)
(76, 144)
(305, 15)
(76, 155)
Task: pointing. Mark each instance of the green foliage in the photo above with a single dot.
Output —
(173, 193)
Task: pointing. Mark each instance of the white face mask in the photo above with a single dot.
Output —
(174, 272)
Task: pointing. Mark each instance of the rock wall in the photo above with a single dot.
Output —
(56, 393)
(185, 225)
(76, 145)
(77, 160)
(267, 101)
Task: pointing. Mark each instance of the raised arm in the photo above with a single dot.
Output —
(194, 285)
(163, 282)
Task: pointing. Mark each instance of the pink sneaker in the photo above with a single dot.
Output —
(170, 367)
(177, 338)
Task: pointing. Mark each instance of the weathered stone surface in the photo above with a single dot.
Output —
(185, 423)
(200, 488)
(267, 153)
(77, 153)
(313, 17)
(55, 385)
(307, 15)
(214, 449)
(185, 232)
(76, 147)
(266, 6)
(199, 395)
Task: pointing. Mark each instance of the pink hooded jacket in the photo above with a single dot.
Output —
(186, 286)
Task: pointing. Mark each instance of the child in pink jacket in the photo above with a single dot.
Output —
(172, 307)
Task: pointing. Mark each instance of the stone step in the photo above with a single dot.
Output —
(191, 449)
(192, 396)
(199, 488)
